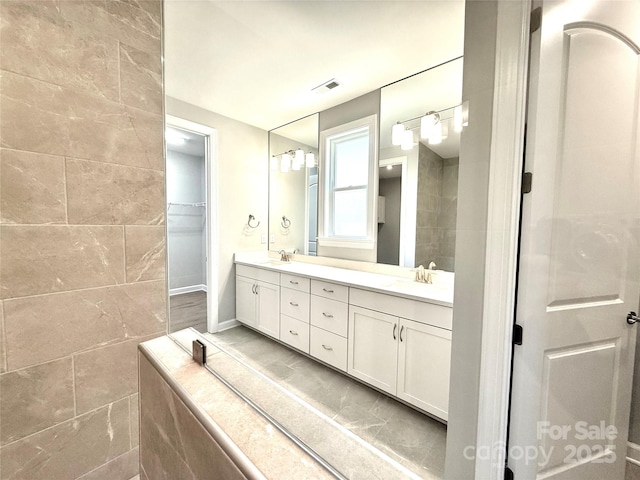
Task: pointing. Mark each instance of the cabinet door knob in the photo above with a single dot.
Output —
(293, 304)
(328, 315)
(293, 333)
(326, 347)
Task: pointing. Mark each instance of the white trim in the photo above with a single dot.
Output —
(507, 143)
(405, 233)
(188, 289)
(227, 324)
(211, 165)
(371, 123)
(339, 242)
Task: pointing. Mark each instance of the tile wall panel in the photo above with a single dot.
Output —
(33, 188)
(35, 398)
(46, 259)
(119, 195)
(83, 320)
(72, 448)
(145, 253)
(82, 247)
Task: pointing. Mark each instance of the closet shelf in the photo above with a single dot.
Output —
(198, 204)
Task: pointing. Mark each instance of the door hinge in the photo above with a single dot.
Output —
(527, 181)
(536, 20)
(508, 473)
(517, 334)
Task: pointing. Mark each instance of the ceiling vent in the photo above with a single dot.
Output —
(326, 86)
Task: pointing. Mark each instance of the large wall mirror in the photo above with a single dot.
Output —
(417, 180)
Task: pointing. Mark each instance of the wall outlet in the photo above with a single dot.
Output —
(272, 239)
(263, 238)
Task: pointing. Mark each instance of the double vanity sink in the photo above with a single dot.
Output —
(388, 331)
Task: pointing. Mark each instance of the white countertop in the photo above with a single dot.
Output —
(438, 293)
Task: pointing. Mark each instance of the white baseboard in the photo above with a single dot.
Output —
(633, 453)
(189, 289)
(227, 324)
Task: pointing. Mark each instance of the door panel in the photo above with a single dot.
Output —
(578, 266)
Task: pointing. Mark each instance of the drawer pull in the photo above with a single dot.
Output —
(327, 347)
(293, 333)
(328, 290)
(292, 282)
(293, 304)
(328, 315)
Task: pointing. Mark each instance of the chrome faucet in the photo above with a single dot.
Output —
(420, 274)
(284, 256)
(430, 268)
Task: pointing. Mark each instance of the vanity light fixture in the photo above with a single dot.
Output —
(396, 133)
(292, 160)
(310, 160)
(434, 125)
(407, 140)
(285, 163)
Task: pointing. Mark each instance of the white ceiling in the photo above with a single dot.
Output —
(257, 61)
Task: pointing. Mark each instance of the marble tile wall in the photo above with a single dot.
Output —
(82, 243)
(437, 209)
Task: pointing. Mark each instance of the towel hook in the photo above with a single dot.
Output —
(251, 217)
(286, 223)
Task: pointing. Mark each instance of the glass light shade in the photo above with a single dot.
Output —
(407, 140)
(445, 129)
(310, 160)
(274, 162)
(295, 164)
(457, 118)
(436, 134)
(299, 156)
(396, 133)
(285, 163)
(426, 125)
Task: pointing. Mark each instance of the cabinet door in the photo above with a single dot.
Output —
(246, 299)
(424, 362)
(268, 314)
(373, 348)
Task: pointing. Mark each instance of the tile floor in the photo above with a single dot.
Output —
(404, 434)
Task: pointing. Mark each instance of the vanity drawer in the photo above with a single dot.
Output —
(294, 303)
(328, 347)
(295, 333)
(330, 315)
(268, 276)
(330, 290)
(295, 282)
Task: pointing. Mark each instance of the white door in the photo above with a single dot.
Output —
(268, 308)
(579, 261)
(373, 348)
(424, 366)
(246, 300)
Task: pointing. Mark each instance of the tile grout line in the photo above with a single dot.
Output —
(124, 254)
(4, 359)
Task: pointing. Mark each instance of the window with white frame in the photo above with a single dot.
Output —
(348, 184)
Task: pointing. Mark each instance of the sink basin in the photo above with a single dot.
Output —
(413, 286)
(273, 262)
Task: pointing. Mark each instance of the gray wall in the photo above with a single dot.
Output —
(186, 225)
(447, 216)
(389, 231)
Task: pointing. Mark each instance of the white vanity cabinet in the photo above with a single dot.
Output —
(329, 323)
(294, 311)
(258, 299)
(408, 358)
